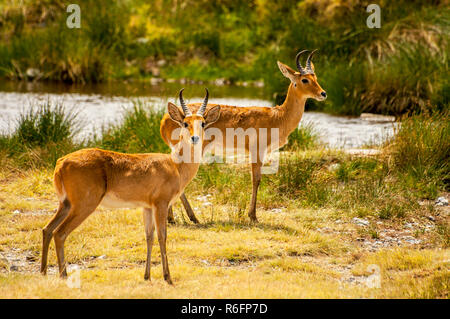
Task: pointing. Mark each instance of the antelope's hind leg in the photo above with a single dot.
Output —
(83, 201)
(47, 231)
(160, 218)
(188, 209)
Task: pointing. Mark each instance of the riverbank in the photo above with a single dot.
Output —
(397, 69)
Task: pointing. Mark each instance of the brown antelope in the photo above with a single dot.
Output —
(91, 177)
(285, 117)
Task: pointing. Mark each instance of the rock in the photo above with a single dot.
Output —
(441, 201)
(142, 40)
(204, 261)
(411, 240)
(377, 117)
(161, 62)
(333, 167)
(31, 258)
(155, 81)
(16, 212)
(33, 73)
(219, 82)
(362, 152)
(361, 221)
(13, 268)
(259, 84)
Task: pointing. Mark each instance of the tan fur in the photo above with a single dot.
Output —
(286, 117)
(91, 177)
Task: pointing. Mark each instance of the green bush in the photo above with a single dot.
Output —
(43, 134)
(421, 149)
(137, 133)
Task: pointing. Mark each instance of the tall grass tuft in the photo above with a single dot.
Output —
(421, 150)
(44, 133)
(46, 124)
(137, 133)
(302, 138)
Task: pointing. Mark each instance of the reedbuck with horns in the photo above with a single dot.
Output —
(284, 117)
(91, 177)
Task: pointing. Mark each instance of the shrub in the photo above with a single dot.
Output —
(421, 149)
(137, 133)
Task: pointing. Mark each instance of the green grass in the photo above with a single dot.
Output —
(44, 133)
(137, 133)
(306, 236)
(420, 150)
(399, 68)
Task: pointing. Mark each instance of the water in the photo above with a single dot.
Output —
(102, 104)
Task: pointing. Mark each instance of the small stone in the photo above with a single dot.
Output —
(161, 63)
(33, 73)
(14, 268)
(371, 117)
(31, 258)
(441, 201)
(361, 221)
(333, 167)
(16, 212)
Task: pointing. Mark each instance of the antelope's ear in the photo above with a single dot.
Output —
(287, 71)
(212, 115)
(175, 113)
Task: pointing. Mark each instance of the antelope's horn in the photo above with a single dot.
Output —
(297, 61)
(308, 61)
(186, 110)
(202, 109)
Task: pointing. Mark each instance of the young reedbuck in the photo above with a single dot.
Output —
(284, 117)
(91, 177)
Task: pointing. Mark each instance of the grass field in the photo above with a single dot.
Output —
(332, 225)
(294, 252)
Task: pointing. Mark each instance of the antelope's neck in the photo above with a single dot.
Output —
(292, 109)
(187, 158)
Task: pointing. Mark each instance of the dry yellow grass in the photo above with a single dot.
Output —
(292, 253)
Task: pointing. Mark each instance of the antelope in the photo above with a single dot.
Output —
(285, 117)
(91, 177)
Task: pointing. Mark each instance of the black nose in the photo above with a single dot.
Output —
(324, 94)
(195, 139)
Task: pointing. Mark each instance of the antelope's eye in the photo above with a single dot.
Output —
(185, 124)
(203, 124)
(305, 81)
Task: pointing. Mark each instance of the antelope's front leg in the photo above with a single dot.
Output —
(149, 232)
(256, 179)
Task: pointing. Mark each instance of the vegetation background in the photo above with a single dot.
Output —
(326, 217)
(401, 67)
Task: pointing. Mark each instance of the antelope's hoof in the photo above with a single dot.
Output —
(168, 279)
(253, 219)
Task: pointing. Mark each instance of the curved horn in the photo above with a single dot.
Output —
(202, 109)
(308, 61)
(297, 61)
(186, 110)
